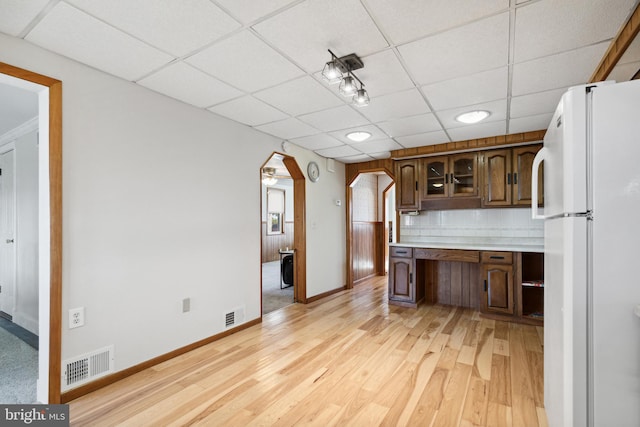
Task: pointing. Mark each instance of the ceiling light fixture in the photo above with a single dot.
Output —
(334, 71)
(268, 176)
(473, 116)
(359, 136)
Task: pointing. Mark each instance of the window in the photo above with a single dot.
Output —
(275, 211)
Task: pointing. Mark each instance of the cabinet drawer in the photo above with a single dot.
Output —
(400, 252)
(497, 257)
(456, 255)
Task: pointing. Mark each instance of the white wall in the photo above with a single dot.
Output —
(147, 221)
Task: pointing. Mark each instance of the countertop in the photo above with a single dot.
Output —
(505, 247)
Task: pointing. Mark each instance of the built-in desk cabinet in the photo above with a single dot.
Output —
(502, 285)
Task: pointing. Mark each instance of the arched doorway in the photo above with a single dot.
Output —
(274, 221)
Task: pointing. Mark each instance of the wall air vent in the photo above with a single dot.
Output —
(87, 367)
(234, 317)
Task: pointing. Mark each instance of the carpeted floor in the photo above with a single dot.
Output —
(18, 367)
(274, 298)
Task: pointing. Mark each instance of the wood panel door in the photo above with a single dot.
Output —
(522, 163)
(498, 289)
(401, 286)
(407, 196)
(497, 178)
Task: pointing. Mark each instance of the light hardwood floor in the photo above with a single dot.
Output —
(349, 359)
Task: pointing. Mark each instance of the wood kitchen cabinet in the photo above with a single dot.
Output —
(402, 289)
(407, 196)
(497, 280)
(449, 176)
(507, 176)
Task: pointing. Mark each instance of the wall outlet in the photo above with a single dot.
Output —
(76, 317)
(186, 305)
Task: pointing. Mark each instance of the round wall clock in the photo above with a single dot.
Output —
(313, 170)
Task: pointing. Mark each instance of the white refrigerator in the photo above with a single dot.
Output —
(591, 163)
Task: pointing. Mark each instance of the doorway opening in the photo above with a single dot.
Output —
(282, 233)
(370, 225)
(48, 198)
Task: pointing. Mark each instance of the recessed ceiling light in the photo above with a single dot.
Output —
(359, 136)
(473, 116)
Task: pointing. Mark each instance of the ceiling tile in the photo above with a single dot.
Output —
(287, 129)
(377, 146)
(481, 130)
(548, 27)
(557, 71)
(530, 123)
(343, 26)
(535, 103)
(624, 72)
(183, 82)
(382, 74)
(249, 111)
(468, 90)
(411, 125)
(300, 96)
(72, 33)
(395, 105)
(17, 14)
(429, 138)
(341, 151)
(316, 142)
(246, 62)
(407, 20)
(176, 27)
(381, 155)
(476, 47)
(354, 159)
(498, 110)
(375, 132)
(249, 10)
(335, 118)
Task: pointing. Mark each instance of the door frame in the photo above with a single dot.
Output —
(299, 228)
(51, 382)
(349, 208)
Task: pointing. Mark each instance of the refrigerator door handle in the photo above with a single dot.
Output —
(535, 168)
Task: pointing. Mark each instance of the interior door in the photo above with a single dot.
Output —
(7, 233)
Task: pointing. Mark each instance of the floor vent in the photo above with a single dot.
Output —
(86, 368)
(234, 317)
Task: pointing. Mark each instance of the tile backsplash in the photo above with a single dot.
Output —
(506, 226)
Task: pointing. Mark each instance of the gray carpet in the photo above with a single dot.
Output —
(18, 370)
(274, 298)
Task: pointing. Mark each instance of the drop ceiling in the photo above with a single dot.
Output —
(259, 62)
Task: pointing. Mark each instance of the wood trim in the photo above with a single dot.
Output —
(325, 294)
(618, 47)
(471, 144)
(110, 379)
(352, 170)
(299, 228)
(55, 219)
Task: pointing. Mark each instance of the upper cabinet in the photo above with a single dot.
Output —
(449, 176)
(507, 176)
(407, 197)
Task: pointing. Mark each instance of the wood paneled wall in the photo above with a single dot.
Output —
(368, 249)
(272, 243)
(451, 283)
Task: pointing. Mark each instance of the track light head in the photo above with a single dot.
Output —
(361, 98)
(348, 86)
(331, 73)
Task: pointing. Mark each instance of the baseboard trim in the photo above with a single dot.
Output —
(120, 375)
(362, 279)
(325, 294)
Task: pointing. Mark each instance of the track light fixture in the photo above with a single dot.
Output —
(334, 72)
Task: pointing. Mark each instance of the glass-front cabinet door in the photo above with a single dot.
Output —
(463, 176)
(435, 177)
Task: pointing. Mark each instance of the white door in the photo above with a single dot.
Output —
(7, 233)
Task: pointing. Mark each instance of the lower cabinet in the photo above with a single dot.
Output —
(498, 289)
(401, 286)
